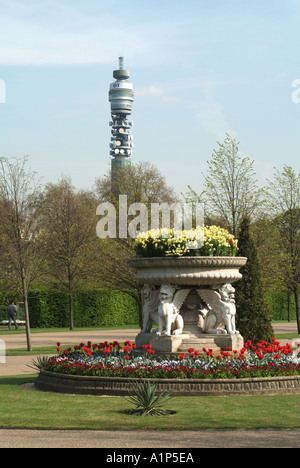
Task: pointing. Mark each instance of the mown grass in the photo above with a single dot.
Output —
(21, 331)
(25, 408)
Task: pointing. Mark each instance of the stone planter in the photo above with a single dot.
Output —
(188, 271)
(190, 298)
(54, 382)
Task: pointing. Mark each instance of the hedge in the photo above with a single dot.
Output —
(91, 309)
(279, 306)
(105, 308)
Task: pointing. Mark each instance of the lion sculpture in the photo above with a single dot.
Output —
(150, 309)
(170, 321)
(221, 308)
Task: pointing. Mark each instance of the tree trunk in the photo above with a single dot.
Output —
(297, 307)
(71, 307)
(28, 337)
(289, 306)
(25, 299)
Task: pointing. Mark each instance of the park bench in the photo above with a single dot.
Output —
(19, 322)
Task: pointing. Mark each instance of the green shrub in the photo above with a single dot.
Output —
(48, 309)
(278, 303)
(253, 312)
(104, 308)
(91, 309)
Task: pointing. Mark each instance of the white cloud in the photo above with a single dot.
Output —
(150, 91)
(211, 115)
(154, 91)
(263, 169)
(170, 99)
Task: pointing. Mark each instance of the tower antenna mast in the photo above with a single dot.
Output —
(121, 97)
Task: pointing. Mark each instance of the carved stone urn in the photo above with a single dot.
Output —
(191, 300)
(188, 271)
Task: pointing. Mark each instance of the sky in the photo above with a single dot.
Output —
(200, 69)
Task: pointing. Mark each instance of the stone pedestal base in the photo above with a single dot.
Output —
(160, 344)
(181, 343)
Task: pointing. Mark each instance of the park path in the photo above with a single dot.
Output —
(176, 441)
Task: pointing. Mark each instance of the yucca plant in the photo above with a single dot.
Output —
(146, 400)
(38, 363)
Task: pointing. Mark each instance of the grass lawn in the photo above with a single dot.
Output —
(21, 331)
(41, 350)
(25, 408)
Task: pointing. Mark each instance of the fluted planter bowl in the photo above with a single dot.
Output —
(188, 271)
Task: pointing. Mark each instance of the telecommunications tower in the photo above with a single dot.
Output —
(121, 97)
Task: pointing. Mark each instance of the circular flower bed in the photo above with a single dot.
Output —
(113, 360)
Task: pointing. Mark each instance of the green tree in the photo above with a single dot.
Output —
(141, 183)
(22, 250)
(69, 222)
(253, 315)
(283, 200)
(267, 241)
(230, 189)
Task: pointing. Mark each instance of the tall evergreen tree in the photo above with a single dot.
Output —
(253, 315)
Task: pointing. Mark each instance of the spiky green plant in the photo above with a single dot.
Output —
(146, 399)
(38, 363)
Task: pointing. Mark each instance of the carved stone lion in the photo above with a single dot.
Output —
(150, 309)
(221, 308)
(170, 320)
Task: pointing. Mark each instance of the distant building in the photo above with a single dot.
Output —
(121, 97)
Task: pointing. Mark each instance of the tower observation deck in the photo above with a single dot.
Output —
(121, 97)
